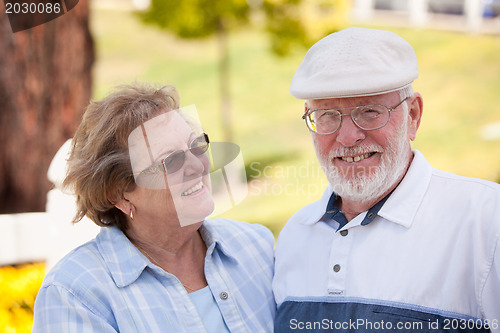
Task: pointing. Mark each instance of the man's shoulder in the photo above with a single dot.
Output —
(441, 184)
(304, 220)
(476, 182)
(471, 205)
(311, 212)
(463, 184)
(304, 213)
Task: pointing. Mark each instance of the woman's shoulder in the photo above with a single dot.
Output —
(79, 264)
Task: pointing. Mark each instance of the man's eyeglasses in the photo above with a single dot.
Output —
(366, 117)
(174, 161)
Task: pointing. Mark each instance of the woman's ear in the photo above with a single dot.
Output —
(124, 205)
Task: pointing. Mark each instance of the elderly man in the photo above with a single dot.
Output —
(393, 245)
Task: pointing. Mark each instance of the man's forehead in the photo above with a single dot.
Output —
(354, 101)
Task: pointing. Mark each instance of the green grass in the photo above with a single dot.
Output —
(459, 80)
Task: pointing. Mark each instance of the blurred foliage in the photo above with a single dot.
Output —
(19, 286)
(292, 22)
(196, 18)
(287, 21)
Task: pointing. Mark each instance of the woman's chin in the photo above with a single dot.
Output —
(196, 214)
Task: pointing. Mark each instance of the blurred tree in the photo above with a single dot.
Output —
(302, 22)
(289, 22)
(45, 83)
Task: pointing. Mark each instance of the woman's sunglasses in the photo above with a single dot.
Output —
(174, 161)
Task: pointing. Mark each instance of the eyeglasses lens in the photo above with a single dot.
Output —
(366, 117)
(324, 121)
(371, 117)
(175, 161)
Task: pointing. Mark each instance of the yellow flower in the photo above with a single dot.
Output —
(19, 286)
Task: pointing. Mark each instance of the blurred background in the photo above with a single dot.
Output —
(233, 59)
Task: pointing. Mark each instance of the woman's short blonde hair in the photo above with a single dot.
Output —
(99, 168)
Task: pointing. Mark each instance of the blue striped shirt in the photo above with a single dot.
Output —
(107, 285)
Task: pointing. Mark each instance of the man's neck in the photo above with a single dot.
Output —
(351, 209)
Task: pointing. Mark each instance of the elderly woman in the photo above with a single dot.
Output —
(139, 168)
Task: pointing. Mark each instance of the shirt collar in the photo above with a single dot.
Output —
(126, 263)
(399, 207)
(403, 204)
(214, 240)
(333, 211)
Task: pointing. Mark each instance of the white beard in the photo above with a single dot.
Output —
(369, 184)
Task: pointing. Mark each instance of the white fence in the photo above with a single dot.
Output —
(46, 236)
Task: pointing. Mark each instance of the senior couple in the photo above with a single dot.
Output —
(392, 245)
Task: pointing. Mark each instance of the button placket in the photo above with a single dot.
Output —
(337, 272)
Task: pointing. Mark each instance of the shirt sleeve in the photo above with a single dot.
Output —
(58, 310)
(491, 292)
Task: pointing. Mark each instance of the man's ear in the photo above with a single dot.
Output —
(415, 109)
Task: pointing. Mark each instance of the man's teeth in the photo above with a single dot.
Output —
(193, 189)
(358, 158)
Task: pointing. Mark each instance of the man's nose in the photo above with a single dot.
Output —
(349, 134)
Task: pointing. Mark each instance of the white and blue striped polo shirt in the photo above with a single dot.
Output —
(427, 261)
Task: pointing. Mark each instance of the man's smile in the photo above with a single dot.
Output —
(351, 159)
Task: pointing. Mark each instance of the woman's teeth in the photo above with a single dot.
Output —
(193, 189)
(358, 158)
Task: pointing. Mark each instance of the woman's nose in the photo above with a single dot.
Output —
(193, 165)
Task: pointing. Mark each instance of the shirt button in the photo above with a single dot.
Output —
(344, 232)
(336, 268)
(371, 215)
(223, 295)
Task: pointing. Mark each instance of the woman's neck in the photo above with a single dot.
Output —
(180, 252)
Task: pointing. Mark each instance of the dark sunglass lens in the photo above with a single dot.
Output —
(199, 145)
(199, 149)
(175, 161)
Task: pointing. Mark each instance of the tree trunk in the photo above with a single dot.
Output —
(225, 94)
(45, 84)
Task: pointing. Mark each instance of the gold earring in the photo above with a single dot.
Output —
(131, 215)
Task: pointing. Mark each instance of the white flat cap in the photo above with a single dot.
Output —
(355, 62)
